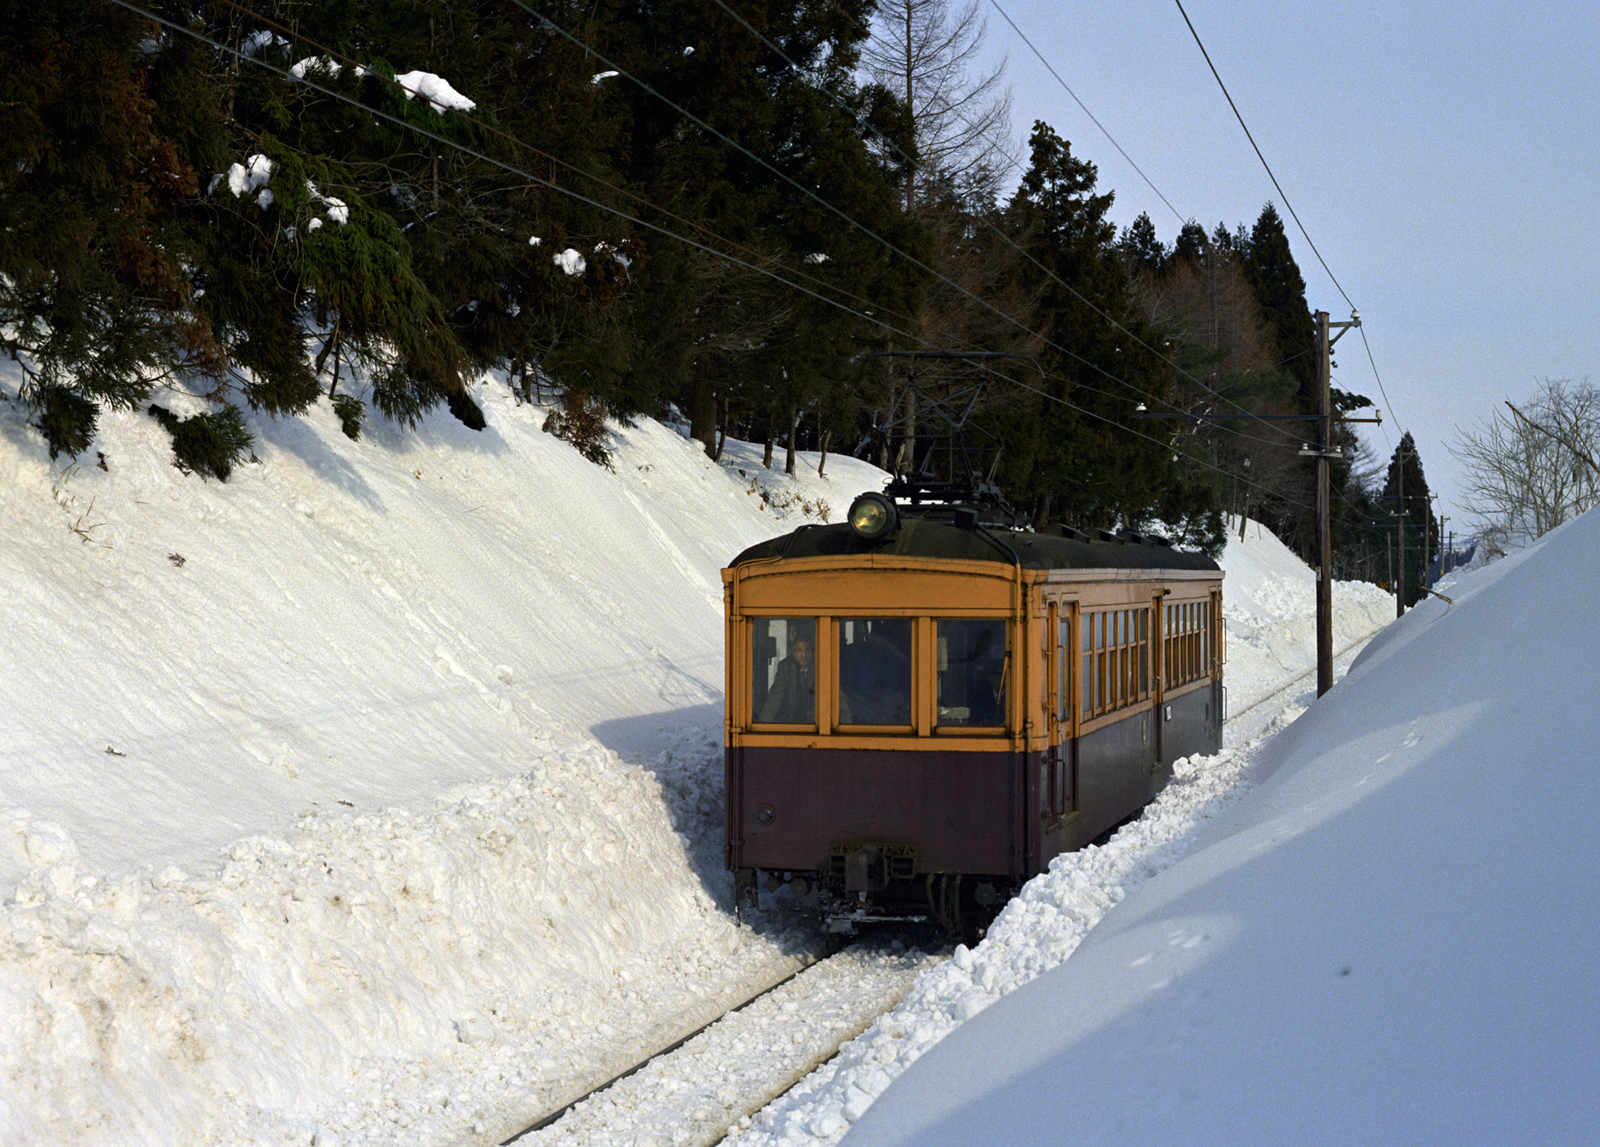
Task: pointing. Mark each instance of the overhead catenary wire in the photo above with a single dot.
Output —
(1284, 195)
(1085, 109)
(474, 153)
(1257, 149)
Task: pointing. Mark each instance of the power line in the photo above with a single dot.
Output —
(1284, 195)
(1237, 115)
(1085, 108)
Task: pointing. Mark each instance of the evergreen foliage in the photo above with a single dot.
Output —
(65, 418)
(1080, 459)
(93, 297)
(1280, 289)
(1413, 506)
(640, 205)
(211, 442)
(580, 418)
(350, 410)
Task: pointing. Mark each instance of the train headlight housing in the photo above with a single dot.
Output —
(873, 516)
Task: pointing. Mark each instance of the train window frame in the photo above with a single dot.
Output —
(752, 719)
(1189, 642)
(914, 661)
(1115, 658)
(1068, 672)
(939, 650)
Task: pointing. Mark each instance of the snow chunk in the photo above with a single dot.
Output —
(319, 65)
(475, 1029)
(605, 250)
(257, 42)
(571, 261)
(598, 76)
(435, 90)
(253, 173)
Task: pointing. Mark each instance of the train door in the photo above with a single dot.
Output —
(1151, 648)
(1061, 758)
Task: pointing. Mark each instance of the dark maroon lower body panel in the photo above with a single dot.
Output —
(959, 811)
(1003, 815)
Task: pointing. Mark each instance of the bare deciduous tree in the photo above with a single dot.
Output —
(924, 51)
(1530, 468)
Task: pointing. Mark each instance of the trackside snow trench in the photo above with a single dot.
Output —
(375, 794)
(1392, 938)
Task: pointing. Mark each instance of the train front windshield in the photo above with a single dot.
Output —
(784, 690)
(972, 672)
(874, 669)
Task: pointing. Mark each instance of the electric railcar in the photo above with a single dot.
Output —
(923, 710)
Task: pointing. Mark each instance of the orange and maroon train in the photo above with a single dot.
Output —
(924, 707)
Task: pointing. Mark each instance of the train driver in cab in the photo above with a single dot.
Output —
(792, 697)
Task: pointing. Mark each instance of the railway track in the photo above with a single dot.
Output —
(694, 1092)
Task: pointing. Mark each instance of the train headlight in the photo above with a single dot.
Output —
(873, 516)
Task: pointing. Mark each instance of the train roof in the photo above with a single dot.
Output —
(926, 537)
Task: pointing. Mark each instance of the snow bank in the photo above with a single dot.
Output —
(373, 794)
(1388, 940)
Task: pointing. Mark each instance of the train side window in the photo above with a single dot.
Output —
(1064, 686)
(1188, 642)
(1167, 639)
(783, 689)
(972, 672)
(1086, 625)
(875, 671)
(1143, 639)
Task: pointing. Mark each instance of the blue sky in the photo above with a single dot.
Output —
(1443, 159)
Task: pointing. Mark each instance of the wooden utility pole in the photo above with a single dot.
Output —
(1427, 536)
(1400, 542)
(1325, 453)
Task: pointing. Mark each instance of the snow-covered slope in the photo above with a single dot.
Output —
(308, 778)
(1392, 939)
(374, 795)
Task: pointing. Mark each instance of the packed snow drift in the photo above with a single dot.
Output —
(1392, 938)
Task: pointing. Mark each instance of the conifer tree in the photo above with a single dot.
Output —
(94, 303)
(1281, 291)
(1416, 507)
(711, 335)
(1080, 458)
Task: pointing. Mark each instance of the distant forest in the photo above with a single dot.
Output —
(727, 210)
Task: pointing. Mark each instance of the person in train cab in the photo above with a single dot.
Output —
(792, 699)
